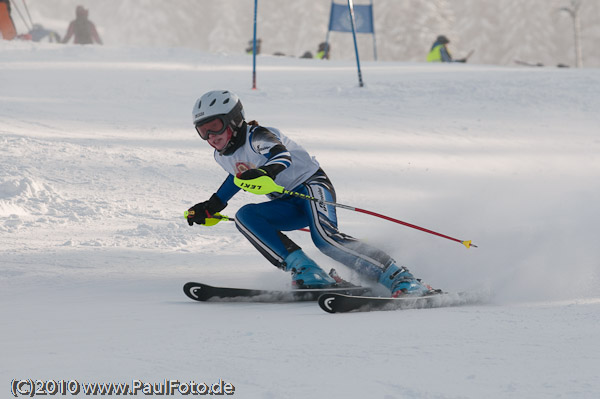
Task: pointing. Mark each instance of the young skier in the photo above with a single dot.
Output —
(248, 151)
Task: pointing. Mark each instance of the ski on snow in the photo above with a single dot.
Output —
(204, 292)
(341, 303)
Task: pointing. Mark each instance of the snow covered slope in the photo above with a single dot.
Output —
(98, 161)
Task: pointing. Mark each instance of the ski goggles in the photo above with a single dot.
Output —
(215, 125)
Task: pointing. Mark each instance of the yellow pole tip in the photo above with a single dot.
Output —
(466, 244)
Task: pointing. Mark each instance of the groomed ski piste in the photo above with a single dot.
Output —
(99, 160)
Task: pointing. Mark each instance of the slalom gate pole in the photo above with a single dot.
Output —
(352, 22)
(266, 185)
(254, 47)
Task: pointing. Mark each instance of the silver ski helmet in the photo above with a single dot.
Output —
(218, 104)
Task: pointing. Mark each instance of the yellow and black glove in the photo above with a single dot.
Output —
(204, 212)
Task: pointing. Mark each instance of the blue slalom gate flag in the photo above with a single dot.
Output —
(339, 19)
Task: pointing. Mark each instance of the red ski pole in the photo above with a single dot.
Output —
(467, 244)
(266, 185)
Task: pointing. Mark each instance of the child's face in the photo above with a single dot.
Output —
(219, 141)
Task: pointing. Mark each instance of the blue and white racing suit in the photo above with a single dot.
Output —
(263, 223)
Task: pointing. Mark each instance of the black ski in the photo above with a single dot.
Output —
(204, 292)
(340, 303)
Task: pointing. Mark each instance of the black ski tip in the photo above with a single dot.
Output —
(197, 291)
(326, 302)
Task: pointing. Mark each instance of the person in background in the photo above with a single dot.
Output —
(323, 51)
(439, 51)
(82, 29)
(250, 48)
(39, 33)
(253, 153)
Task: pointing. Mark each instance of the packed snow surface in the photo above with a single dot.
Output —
(99, 160)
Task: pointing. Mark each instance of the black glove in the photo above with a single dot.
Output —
(269, 170)
(253, 174)
(199, 212)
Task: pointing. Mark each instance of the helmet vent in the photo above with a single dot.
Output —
(226, 101)
(212, 102)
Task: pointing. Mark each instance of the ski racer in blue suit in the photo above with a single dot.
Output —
(248, 150)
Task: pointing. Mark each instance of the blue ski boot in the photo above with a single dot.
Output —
(401, 282)
(305, 272)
